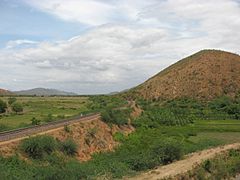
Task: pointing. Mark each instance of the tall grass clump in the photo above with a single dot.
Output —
(38, 146)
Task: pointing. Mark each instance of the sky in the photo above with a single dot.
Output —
(102, 46)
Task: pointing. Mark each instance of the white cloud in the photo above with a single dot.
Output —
(92, 12)
(118, 56)
(89, 12)
(20, 42)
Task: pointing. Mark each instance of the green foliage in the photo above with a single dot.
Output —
(17, 107)
(3, 127)
(49, 118)
(69, 147)
(223, 166)
(207, 166)
(102, 102)
(119, 137)
(11, 100)
(116, 116)
(227, 105)
(3, 106)
(40, 107)
(35, 121)
(168, 151)
(155, 116)
(62, 116)
(147, 149)
(38, 146)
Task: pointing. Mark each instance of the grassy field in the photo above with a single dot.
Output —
(44, 109)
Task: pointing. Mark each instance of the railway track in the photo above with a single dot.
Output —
(23, 132)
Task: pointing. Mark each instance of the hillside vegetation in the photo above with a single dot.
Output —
(204, 75)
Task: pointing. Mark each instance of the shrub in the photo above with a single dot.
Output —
(36, 147)
(12, 100)
(35, 121)
(168, 151)
(3, 106)
(17, 107)
(68, 147)
(116, 116)
(207, 166)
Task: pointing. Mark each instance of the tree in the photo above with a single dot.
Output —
(3, 106)
(17, 107)
(11, 100)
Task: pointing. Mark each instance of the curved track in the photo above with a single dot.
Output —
(23, 132)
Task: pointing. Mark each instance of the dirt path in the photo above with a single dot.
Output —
(183, 166)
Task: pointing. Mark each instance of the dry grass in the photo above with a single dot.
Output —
(204, 75)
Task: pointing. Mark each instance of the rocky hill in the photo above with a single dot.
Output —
(204, 75)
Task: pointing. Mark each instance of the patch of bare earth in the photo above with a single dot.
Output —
(137, 111)
(91, 137)
(181, 167)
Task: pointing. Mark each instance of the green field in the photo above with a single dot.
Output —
(42, 108)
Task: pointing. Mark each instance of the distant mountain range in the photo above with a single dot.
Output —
(44, 92)
(5, 92)
(204, 75)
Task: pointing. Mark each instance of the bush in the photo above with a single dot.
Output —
(68, 147)
(207, 166)
(116, 116)
(168, 151)
(36, 147)
(3, 106)
(12, 100)
(35, 121)
(17, 107)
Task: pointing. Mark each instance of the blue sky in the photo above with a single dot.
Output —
(21, 21)
(100, 46)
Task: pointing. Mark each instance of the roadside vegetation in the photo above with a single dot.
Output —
(39, 147)
(223, 166)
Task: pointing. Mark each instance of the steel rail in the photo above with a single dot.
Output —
(27, 131)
